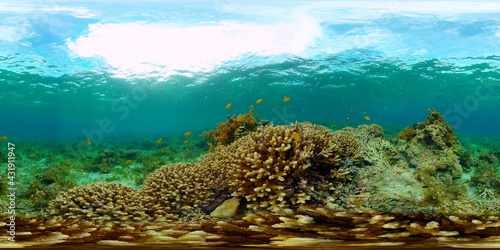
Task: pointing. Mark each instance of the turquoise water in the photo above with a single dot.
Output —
(65, 70)
(94, 93)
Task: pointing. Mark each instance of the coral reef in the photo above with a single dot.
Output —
(100, 201)
(279, 166)
(435, 132)
(407, 134)
(234, 128)
(178, 187)
(487, 182)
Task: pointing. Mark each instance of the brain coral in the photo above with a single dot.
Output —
(99, 201)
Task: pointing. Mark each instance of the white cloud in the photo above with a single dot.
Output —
(48, 8)
(137, 46)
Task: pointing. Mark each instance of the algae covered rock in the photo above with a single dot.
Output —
(227, 209)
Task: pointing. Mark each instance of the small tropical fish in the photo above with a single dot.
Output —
(366, 117)
(188, 133)
(53, 158)
(347, 118)
(229, 105)
(179, 100)
(161, 151)
(3, 137)
(351, 107)
(159, 141)
(297, 137)
(259, 101)
(210, 144)
(129, 161)
(185, 141)
(88, 141)
(286, 99)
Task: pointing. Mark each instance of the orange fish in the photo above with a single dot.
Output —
(297, 137)
(3, 137)
(366, 117)
(259, 101)
(347, 118)
(286, 99)
(209, 144)
(185, 141)
(159, 141)
(129, 161)
(161, 151)
(88, 141)
(53, 158)
(188, 133)
(229, 105)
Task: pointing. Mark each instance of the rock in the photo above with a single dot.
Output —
(227, 209)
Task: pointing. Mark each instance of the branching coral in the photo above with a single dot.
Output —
(228, 131)
(277, 165)
(100, 201)
(177, 187)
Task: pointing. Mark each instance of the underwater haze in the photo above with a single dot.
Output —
(233, 123)
(166, 67)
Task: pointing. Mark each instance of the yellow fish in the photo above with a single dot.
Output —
(366, 117)
(286, 99)
(351, 107)
(88, 141)
(347, 118)
(3, 137)
(229, 105)
(209, 144)
(259, 101)
(297, 137)
(185, 141)
(129, 161)
(159, 141)
(188, 133)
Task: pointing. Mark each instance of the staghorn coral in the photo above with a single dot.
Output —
(179, 187)
(228, 131)
(100, 201)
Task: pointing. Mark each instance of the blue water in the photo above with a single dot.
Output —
(74, 70)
